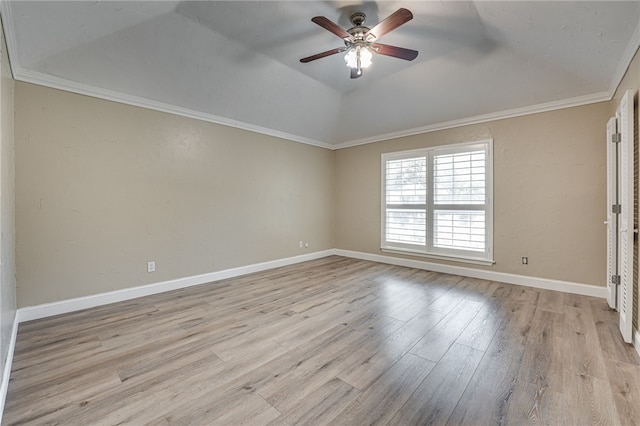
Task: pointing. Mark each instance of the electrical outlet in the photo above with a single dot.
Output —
(151, 266)
(301, 244)
(525, 260)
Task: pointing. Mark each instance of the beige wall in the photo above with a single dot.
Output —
(7, 197)
(549, 192)
(102, 188)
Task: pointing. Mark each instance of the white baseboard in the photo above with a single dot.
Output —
(65, 306)
(544, 283)
(56, 308)
(6, 371)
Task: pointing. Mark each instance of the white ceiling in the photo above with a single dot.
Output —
(237, 62)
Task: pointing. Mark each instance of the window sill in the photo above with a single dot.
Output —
(462, 259)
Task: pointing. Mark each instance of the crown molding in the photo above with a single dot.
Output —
(627, 57)
(500, 115)
(111, 95)
(9, 35)
(34, 77)
(632, 48)
(22, 74)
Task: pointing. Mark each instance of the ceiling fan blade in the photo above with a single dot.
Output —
(396, 52)
(322, 54)
(355, 73)
(392, 22)
(332, 27)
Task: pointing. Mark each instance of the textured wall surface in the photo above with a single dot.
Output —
(102, 188)
(7, 203)
(549, 191)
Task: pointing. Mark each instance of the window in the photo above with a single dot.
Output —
(438, 201)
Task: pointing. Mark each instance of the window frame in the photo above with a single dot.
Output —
(428, 250)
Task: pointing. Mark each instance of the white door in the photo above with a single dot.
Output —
(612, 215)
(624, 116)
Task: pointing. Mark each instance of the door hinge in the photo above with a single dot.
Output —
(616, 208)
(615, 279)
(616, 138)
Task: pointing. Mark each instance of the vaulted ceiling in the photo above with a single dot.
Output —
(237, 62)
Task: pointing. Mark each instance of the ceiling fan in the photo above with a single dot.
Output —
(360, 41)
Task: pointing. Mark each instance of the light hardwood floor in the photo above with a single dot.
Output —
(332, 341)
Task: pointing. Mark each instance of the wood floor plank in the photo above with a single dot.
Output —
(532, 404)
(160, 421)
(582, 351)
(482, 290)
(370, 361)
(480, 331)
(488, 395)
(578, 301)
(382, 400)
(437, 341)
(589, 399)
(516, 293)
(330, 341)
(625, 386)
(57, 352)
(613, 347)
(147, 397)
(453, 296)
(46, 374)
(313, 370)
(318, 324)
(542, 362)
(416, 306)
(131, 399)
(435, 398)
(62, 331)
(51, 399)
(320, 407)
(551, 301)
(231, 408)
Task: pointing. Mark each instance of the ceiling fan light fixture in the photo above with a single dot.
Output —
(360, 42)
(358, 54)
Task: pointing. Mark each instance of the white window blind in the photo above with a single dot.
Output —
(459, 195)
(438, 201)
(406, 184)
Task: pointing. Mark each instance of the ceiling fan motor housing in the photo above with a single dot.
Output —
(358, 31)
(358, 18)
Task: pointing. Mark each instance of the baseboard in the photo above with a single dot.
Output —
(65, 306)
(6, 371)
(636, 341)
(544, 283)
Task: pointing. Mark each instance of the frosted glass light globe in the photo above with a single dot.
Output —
(351, 58)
